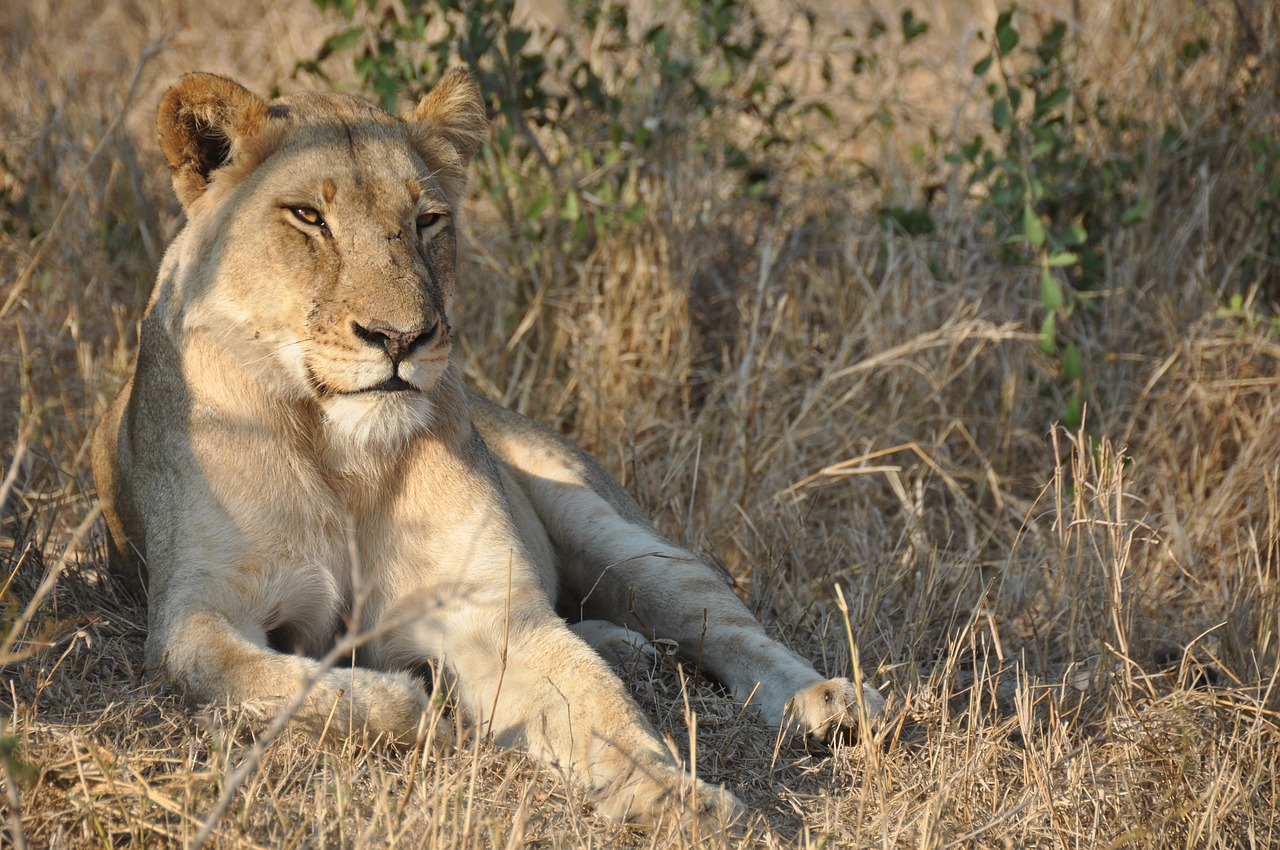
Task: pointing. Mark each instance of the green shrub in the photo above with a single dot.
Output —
(1048, 193)
(574, 127)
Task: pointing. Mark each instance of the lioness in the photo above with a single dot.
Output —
(296, 402)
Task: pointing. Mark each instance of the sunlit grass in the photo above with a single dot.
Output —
(1078, 630)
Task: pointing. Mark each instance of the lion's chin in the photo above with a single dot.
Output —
(377, 420)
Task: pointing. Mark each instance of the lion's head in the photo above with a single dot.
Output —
(320, 244)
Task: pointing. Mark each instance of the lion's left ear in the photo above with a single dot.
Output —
(453, 112)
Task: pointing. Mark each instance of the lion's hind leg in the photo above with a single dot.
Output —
(615, 567)
(633, 576)
(618, 645)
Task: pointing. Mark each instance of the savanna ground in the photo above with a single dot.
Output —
(829, 367)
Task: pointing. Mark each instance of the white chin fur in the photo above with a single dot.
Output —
(378, 420)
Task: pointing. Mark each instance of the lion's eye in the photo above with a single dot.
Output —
(428, 220)
(307, 215)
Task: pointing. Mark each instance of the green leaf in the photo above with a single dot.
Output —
(1000, 114)
(1134, 214)
(1048, 334)
(1073, 236)
(1050, 291)
(346, 8)
(1006, 35)
(1051, 101)
(984, 65)
(1071, 365)
(913, 221)
(539, 204)
(1062, 258)
(1073, 417)
(658, 37)
(822, 109)
(340, 41)
(912, 27)
(1038, 192)
(1032, 227)
(22, 771)
(571, 211)
(516, 40)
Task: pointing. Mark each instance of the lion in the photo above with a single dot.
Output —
(296, 447)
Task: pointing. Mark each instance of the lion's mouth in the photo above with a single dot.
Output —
(394, 384)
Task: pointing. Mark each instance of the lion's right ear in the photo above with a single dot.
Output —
(203, 123)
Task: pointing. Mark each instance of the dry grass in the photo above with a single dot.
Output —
(1080, 632)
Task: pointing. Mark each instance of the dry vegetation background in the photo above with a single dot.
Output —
(1079, 630)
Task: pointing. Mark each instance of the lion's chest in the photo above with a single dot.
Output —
(334, 554)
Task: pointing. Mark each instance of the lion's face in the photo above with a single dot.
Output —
(361, 261)
(327, 246)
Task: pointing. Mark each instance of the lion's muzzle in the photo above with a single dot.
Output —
(398, 344)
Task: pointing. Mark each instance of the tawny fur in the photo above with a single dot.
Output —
(259, 444)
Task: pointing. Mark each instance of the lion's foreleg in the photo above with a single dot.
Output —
(531, 684)
(213, 660)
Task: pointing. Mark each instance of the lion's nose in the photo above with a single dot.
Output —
(397, 343)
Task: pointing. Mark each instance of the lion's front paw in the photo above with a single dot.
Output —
(373, 706)
(830, 708)
(657, 793)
